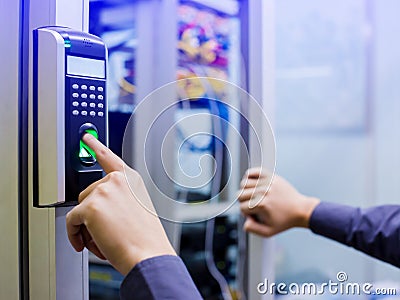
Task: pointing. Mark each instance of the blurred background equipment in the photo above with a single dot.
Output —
(207, 43)
(329, 90)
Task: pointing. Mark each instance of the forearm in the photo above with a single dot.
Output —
(374, 231)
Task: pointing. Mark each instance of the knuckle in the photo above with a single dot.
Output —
(263, 204)
(92, 208)
(80, 196)
(277, 180)
(102, 152)
(68, 217)
(115, 177)
(257, 193)
(102, 189)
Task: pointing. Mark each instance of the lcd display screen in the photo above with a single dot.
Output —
(85, 67)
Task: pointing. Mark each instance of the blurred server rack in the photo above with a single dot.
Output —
(151, 44)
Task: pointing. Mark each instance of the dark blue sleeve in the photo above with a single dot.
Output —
(374, 231)
(161, 277)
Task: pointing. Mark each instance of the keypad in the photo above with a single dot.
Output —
(87, 99)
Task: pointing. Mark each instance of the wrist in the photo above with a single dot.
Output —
(135, 258)
(305, 211)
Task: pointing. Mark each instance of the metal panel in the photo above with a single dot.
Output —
(9, 35)
(261, 83)
(50, 117)
(71, 13)
(72, 274)
(52, 271)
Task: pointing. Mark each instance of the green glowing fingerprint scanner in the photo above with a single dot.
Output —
(84, 150)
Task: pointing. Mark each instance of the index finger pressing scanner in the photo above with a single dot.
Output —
(69, 100)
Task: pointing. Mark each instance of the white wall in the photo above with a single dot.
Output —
(355, 163)
(387, 111)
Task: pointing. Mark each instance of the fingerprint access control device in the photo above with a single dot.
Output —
(69, 101)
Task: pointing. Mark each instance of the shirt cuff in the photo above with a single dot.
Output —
(160, 277)
(332, 220)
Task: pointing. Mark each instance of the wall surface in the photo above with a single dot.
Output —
(9, 33)
(342, 74)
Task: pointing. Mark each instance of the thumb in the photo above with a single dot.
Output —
(255, 227)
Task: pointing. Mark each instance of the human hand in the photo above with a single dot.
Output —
(111, 219)
(271, 209)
